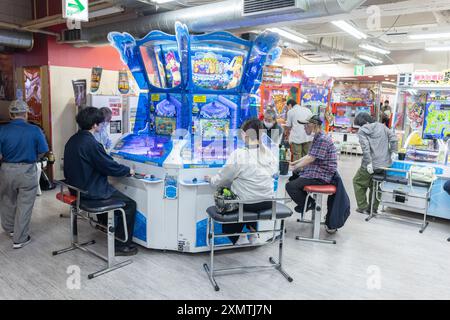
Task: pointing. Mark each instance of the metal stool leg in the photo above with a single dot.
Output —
(205, 266)
(279, 266)
(316, 220)
(372, 200)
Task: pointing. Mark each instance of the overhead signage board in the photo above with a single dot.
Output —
(77, 10)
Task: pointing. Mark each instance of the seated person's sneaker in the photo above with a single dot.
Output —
(22, 244)
(11, 234)
(254, 238)
(126, 250)
(242, 240)
(330, 231)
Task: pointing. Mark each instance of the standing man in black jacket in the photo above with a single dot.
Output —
(87, 166)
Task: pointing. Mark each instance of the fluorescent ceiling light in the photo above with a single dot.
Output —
(444, 48)
(429, 36)
(373, 48)
(388, 83)
(105, 12)
(162, 1)
(349, 29)
(288, 35)
(368, 58)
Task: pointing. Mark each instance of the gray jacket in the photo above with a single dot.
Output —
(377, 144)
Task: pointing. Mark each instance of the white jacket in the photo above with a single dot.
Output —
(249, 172)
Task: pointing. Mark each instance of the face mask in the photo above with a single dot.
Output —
(268, 124)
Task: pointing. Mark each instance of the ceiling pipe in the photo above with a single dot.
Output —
(16, 39)
(224, 15)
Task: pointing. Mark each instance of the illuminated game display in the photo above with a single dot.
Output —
(437, 116)
(195, 94)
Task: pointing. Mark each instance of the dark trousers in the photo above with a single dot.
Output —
(130, 216)
(237, 227)
(295, 190)
(447, 187)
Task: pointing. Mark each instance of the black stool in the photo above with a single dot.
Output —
(84, 209)
(279, 212)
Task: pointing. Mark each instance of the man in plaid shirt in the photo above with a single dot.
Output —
(317, 167)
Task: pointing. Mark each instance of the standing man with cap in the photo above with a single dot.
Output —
(318, 167)
(21, 145)
(298, 139)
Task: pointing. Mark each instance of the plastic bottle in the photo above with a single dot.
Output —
(283, 153)
(288, 155)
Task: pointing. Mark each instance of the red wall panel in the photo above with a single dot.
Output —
(38, 56)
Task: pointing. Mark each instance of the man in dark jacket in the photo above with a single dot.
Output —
(87, 167)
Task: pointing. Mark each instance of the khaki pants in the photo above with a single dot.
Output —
(299, 150)
(18, 190)
(362, 182)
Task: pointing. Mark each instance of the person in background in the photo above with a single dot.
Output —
(298, 139)
(102, 135)
(447, 187)
(249, 171)
(386, 112)
(377, 143)
(318, 167)
(21, 145)
(273, 129)
(87, 167)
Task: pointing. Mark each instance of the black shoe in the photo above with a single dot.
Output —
(362, 210)
(23, 244)
(126, 251)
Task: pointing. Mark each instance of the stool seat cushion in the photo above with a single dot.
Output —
(282, 212)
(66, 197)
(101, 206)
(325, 189)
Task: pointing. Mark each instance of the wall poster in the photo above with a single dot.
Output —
(32, 88)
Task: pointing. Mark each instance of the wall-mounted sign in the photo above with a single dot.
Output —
(77, 10)
(96, 77)
(79, 90)
(124, 84)
(32, 85)
(359, 70)
(431, 79)
(272, 75)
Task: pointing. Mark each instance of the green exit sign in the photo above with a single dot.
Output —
(77, 10)
(359, 70)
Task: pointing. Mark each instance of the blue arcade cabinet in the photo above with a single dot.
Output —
(195, 94)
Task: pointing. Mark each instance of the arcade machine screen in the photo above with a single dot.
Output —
(343, 116)
(437, 117)
(362, 109)
(214, 128)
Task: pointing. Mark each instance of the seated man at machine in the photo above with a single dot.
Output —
(249, 171)
(378, 143)
(318, 167)
(87, 167)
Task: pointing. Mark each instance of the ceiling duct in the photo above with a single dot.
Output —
(224, 15)
(16, 39)
(264, 7)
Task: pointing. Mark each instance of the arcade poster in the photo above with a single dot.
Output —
(32, 85)
(79, 90)
(96, 76)
(6, 78)
(123, 85)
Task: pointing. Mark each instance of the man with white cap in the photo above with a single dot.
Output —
(21, 145)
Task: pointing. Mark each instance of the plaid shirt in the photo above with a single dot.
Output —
(325, 165)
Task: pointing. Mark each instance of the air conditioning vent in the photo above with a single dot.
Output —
(263, 7)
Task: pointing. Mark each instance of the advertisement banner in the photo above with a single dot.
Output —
(96, 77)
(123, 85)
(32, 88)
(79, 90)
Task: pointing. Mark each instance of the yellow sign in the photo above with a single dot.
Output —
(155, 97)
(200, 99)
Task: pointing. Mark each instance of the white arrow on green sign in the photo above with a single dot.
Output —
(76, 10)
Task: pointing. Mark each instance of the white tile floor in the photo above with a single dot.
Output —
(408, 265)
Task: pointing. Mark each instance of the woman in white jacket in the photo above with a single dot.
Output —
(249, 171)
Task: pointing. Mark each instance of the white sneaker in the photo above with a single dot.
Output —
(11, 234)
(23, 244)
(242, 240)
(254, 238)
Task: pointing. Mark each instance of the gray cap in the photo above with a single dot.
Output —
(18, 106)
(315, 119)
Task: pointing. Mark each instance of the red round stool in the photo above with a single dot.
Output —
(316, 192)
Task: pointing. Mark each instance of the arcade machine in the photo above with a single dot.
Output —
(316, 97)
(277, 96)
(185, 128)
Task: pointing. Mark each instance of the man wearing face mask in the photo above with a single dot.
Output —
(273, 129)
(102, 135)
(319, 165)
